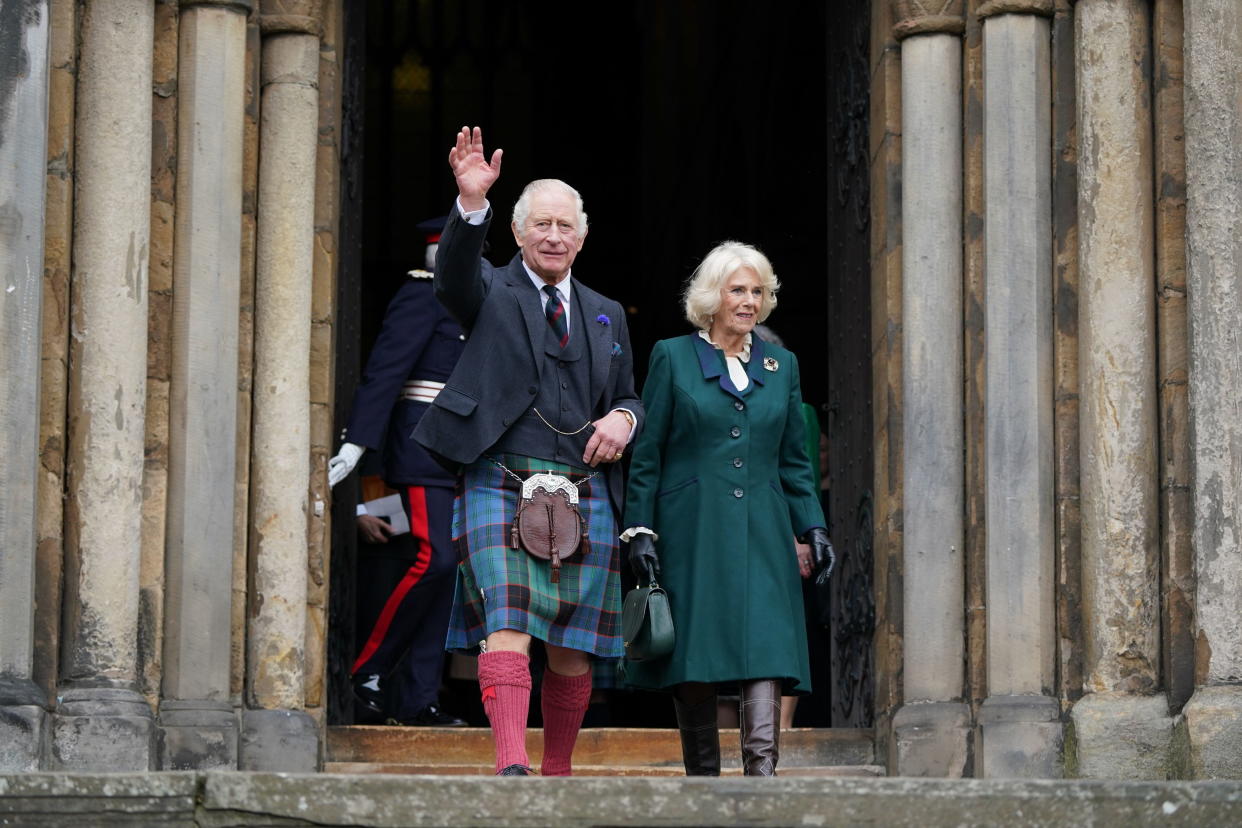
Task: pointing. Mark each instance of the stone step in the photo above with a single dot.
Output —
(230, 798)
(445, 769)
(603, 746)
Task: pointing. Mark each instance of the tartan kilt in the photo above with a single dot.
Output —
(499, 588)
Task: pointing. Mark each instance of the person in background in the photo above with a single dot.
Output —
(720, 486)
(414, 354)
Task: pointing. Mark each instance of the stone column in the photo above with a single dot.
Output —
(1121, 725)
(277, 734)
(101, 721)
(1019, 722)
(198, 727)
(23, 146)
(931, 730)
(1213, 58)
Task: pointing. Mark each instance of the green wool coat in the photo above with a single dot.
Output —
(723, 478)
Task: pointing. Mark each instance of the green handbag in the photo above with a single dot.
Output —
(647, 624)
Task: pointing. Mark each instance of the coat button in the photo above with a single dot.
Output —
(737, 492)
(735, 432)
(737, 462)
(532, 390)
(739, 405)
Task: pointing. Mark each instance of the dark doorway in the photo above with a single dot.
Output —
(681, 123)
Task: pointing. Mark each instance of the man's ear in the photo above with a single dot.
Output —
(582, 238)
(517, 237)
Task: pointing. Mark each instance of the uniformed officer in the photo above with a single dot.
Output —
(414, 354)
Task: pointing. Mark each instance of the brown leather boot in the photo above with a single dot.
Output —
(759, 717)
(700, 737)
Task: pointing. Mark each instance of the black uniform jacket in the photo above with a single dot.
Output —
(418, 341)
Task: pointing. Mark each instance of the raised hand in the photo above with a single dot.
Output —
(474, 173)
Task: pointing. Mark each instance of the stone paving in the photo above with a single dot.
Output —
(262, 799)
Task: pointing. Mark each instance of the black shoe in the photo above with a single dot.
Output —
(516, 770)
(369, 692)
(429, 716)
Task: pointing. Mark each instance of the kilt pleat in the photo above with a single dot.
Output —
(499, 588)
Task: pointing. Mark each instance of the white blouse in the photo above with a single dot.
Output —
(734, 363)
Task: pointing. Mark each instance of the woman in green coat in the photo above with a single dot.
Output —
(720, 486)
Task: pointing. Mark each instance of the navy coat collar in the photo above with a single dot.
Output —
(712, 364)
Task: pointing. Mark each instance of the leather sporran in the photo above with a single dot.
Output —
(548, 524)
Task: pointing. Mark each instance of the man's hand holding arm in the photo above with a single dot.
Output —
(612, 434)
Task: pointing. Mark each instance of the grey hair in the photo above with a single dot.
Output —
(702, 297)
(521, 209)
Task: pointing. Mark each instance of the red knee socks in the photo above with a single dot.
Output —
(565, 700)
(504, 679)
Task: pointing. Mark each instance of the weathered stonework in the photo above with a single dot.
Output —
(23, 150)
(1065, 358)
(932, 739)
(53, 374)
(1117, 319)
(1176, 513)
(1213, 64)
(915, 17)
(974, 314)
(1121, 736)
(886, 337)
(101, 721)
(245, 362)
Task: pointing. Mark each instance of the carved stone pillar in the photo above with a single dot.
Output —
(1019, 723)
(277, 734)
(931, 730)
(1213, 56)
(101, 721)
(1122, 728)
(23, 123)
(198, 727)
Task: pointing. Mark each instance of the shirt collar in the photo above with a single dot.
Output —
(744, 356)
(564, 287)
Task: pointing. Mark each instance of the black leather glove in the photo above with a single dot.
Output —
(823, 557)
(643, 558)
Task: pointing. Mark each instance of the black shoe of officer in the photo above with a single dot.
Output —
(429, 716)
(516, 770)
(369, 692)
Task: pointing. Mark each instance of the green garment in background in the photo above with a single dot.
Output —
(812, 441)
(723, 477)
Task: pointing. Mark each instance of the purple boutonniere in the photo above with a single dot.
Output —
(603, 319)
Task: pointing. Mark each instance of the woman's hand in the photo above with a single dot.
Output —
(822, 554)
(803, 551)
(643, 558)
(474, 173)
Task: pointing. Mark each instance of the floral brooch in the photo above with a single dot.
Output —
(770, 364)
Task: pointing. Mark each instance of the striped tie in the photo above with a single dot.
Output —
(555, 311)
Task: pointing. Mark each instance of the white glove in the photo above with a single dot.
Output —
(340, 466)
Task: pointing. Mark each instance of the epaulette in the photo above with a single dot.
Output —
(421, 274)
